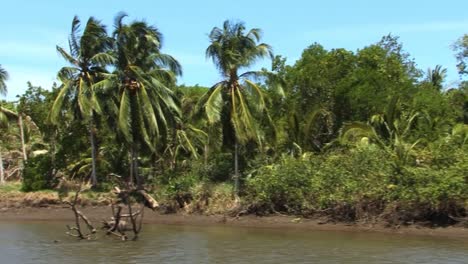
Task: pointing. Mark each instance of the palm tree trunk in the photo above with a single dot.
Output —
(205, 155)
(132, 158)
(134, 175)
(2, 176)
(138, 179)
(23, 146)
(92, 139)
(54, 150)
(236, 168)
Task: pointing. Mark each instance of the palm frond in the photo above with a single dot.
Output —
(67, 56)
(257, 95)
(102, 58)
(3, 77)
(125, 116)
(148, 112)
(353, 132)
(242, 118)
(73, 40)
(214, 104)
(58, 102)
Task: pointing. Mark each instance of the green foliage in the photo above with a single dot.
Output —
(356, 178)
(36, 103)
(10, 187)
(285, 186)
(38, 174)
(3, 77)
(461, 47)
(343, 133)
(218, 168)
(179, 189)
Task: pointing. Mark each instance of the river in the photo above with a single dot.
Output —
(33, 242)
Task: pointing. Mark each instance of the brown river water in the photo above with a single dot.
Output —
(46, 242)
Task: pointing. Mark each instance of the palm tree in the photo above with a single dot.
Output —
(141, 80)
(235, 100)
(88, 58)
(6, 116)
(3, 78)
(3, 117)
(436, 76)
(392, 131)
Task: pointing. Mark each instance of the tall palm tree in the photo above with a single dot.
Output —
(3, 117)
(141, 80)
(437, 76)
(88, 57)
(235, 100)
(6, 116)
(3, 78)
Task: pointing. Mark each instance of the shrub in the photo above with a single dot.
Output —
(285, 186)
(179, 189)
(38, 174)
(317, 183)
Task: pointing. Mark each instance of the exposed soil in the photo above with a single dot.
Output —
(99, 213)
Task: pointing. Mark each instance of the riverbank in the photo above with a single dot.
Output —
(96, 214)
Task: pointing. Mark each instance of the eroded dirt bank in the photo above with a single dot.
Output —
(61, 213)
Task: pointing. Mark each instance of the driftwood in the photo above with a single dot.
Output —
(116, 225)
(150, 202)
(121, 222)
(462, 220)
(79, 216)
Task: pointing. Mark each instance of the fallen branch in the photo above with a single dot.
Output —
(150, 201)
(79, 215)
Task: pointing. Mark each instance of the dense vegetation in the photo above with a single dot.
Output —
(354, 135)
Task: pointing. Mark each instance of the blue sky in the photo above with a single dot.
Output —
(30, 30)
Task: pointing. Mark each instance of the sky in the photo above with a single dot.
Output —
(30, 30)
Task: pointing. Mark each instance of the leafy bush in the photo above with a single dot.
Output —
(179, 189)
(37, 174)
(218, 169)
(360, 183)
(316, 183)
(285, 186)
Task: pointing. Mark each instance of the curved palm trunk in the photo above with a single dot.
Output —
(236, 168)
(205, 155)
(23, 146)
(135, 176)
(2, 175)
(92, 139)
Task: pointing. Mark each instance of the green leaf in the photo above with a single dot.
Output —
(214, 104)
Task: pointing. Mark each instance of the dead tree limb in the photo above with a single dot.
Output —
(79, 215)
(150, 202)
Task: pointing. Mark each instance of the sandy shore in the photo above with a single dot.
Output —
(96, 214)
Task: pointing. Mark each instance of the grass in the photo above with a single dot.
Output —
(11, 195)
(9, 187)
(205, 198)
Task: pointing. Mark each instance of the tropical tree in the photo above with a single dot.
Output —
(237, 99)
(391, 130)
(461, 47)
(3, 117)
(436, 76)
(141, 81)
(3, 78)
(6, 115)
(88, 57)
